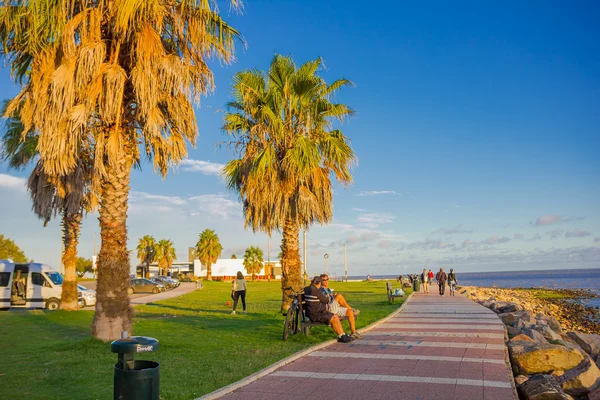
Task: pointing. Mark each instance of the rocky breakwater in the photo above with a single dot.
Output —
(549, 360)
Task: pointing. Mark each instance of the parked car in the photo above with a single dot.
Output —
(140, 285)
(167, 281)
(88, 296)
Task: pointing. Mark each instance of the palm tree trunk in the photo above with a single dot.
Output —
(209, 272)
(290, 264)
(71, 225)
(113, 312)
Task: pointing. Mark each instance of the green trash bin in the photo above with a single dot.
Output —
(416, 285)
(135, 379)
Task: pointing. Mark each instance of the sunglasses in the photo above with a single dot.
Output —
(325, 280)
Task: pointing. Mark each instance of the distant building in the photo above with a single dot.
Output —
(224, 268)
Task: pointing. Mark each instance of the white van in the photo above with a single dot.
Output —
(29, 285)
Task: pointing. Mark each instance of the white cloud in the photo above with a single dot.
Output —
(359, 209)
(12, 182)
(575, 233)
(219, 205)
(377, 192)
(205, 167)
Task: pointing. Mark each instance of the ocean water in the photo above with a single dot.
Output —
(551, 279)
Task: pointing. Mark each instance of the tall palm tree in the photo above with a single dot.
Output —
(208, 249)
(281, 124)
(253, 260)
(119, 77)
(165, 255)
(146, 251)
(233, 257)
(66, 196)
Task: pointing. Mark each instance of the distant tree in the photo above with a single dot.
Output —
(208, 249)
(233, 257)
(8, 249)
(253, 260)
(165, 255)
(83, 265)
(146, 251)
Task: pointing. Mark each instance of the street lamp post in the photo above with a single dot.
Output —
(326, 256)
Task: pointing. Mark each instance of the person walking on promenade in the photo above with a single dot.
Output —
(452, 282)
(441, 279)
(239, 290)
(430, 273)
(425, 280)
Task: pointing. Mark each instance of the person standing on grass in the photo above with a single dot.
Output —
(441, 279)
(425, 280)
(452, 282)
(239, 290)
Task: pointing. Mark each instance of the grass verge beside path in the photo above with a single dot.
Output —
(50, 355)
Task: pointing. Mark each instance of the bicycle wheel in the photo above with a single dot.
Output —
(288, 324)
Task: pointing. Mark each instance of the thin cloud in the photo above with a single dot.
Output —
(359, 209)
(377, 192)
(12, 182)
(553, 219)
(555, 233)
(576, 233)
(205, 167)
(597, 240)
(373, 220)
(519, 236)
(496, 240)
(451, 231)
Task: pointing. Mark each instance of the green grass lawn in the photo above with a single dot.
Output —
(50, 355)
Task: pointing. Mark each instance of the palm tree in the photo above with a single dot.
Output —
(253, 260)
(208, 249)
(165, 254)
(233, 257)
(67, 195)
(119, 77)
(146, 252)
(281, 123)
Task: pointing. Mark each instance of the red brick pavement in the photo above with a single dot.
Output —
(410, 356)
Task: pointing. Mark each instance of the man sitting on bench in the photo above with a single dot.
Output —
(317, 310)
(339, 306)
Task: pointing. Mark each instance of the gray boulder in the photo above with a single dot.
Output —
(542, 387)
(510, 307)
(582, 379)
(508, 318)
(589, 343)
(512, 331)
(548, 333)
(535, 335)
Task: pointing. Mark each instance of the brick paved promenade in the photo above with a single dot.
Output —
(436, 348)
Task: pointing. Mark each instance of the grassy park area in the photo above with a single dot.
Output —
(51, 355)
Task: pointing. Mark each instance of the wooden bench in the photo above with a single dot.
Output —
(390, 293)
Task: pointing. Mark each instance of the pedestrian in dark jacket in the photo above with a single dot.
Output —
(441, 278)
(317, 310)
(452, 282)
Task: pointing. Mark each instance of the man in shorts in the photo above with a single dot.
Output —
(317, 309)
(339, 306)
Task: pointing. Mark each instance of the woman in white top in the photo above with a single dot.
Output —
(239, 290)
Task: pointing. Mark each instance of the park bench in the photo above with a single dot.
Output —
(390, 293)
(296, 319)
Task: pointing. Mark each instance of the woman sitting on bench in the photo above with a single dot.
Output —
(317, 310)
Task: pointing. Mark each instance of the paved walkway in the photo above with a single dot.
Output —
(436, 348)
(183, 288)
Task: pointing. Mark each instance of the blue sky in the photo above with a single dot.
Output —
(477, 133)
